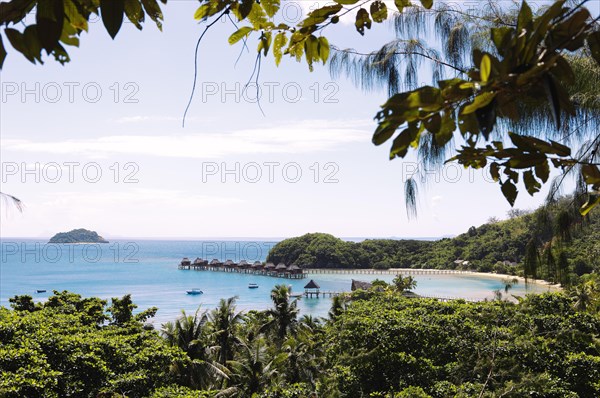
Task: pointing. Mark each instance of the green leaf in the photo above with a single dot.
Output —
(311, 50)
(203, 11)
(112, 15)
(531, 184)
(592, 202)
(362, 20)
(320, 15)
(510, 192)
(433, 124)
(561, 150)
(384, 132)
(76, 20)
(404, 140)
(17, 40)
(134, 12)
(485, 68)
(153, 10)
(378, 11)
(480, 101)
(400, 4)
(2, 53)
(427, 3)
(495, 171)
(69, 35)
(526, 160)
(265, 43)
(239, 34)
(279, 42)
(500, 37)
(245, 8)
(270, 6)
(346, 2)
(49, 19)
(591, 174)
(542, 171)
(525, 17)
(593, 42)
(323, 49)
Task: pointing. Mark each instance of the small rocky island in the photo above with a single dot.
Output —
(78, 236)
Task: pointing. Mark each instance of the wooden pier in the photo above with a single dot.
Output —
(323, 294)
(391, 271)
(243, 267)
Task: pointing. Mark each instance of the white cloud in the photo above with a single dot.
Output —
(154, 198)
(301, 137)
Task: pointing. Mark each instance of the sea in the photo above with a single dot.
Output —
(148, 270)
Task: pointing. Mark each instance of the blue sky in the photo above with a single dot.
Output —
(307, 165)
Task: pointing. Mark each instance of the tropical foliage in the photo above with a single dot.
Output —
(379, 344)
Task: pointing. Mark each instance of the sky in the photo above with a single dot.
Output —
(99, 144)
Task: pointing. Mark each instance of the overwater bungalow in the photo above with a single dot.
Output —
(257, 266)
(229, 265)
(281, 269)
(295, 271)
(244, 266)
(270, 268)
(200, 263)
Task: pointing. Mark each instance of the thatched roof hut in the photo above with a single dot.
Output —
(356, 285)
(281, 267)
(215, 263)
(257, 264)
(270, 266)
(294, 269)
(198, 260)
(185, 261)
(244, 264)
(229, 263)
(312, 285)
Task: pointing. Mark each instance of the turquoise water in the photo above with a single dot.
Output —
(148, 271)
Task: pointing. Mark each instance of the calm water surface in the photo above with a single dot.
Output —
(148, 271)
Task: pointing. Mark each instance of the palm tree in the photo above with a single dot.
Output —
(284, 314)
(404, 284)
(253, 370)
(583, 296)
(509, 283)
(303, 357)
(224, 322)
(190, 332)
(338, 306)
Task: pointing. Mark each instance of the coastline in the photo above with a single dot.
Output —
(521, 279)
(426, 271)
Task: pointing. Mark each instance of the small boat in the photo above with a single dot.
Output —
(40, 291)
(252, 286)
(194, 291)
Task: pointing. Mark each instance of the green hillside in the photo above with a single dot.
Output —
(552, 242)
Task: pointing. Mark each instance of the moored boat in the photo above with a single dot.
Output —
(252, 286)
(194, 291)
(40, 291)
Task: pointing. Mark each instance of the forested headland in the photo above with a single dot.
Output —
(553, 242)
